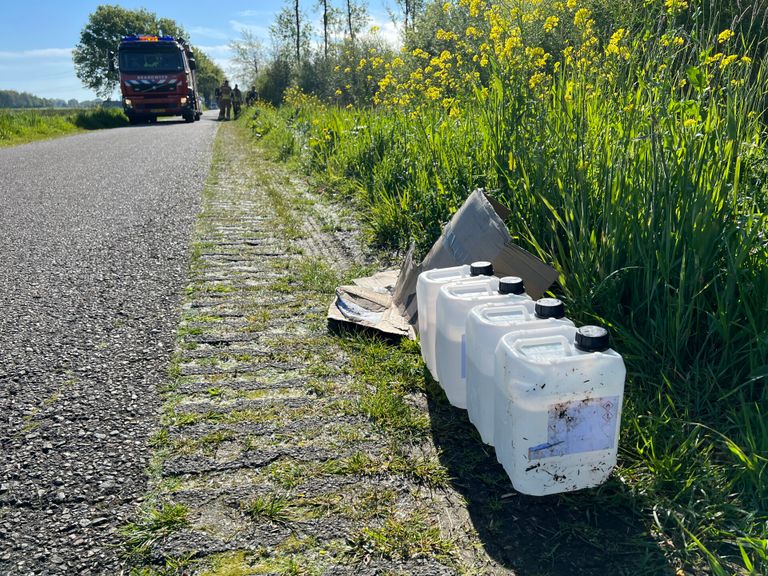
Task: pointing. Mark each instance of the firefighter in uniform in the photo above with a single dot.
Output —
(225, 100)
(237, 101)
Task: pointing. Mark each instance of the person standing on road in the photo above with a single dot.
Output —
(226, 100)
(237, 101)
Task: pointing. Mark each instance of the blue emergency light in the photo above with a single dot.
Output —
(147, 38)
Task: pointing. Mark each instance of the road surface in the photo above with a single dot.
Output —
(94, 231)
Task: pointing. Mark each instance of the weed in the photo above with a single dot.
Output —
(401, 539)
(273, 508)
(152, 524)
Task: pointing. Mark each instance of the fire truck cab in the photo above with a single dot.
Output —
(157, 78)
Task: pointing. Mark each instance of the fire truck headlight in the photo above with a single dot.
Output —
(127, 101)
(183, 100)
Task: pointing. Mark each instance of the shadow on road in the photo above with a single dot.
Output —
(590, 532)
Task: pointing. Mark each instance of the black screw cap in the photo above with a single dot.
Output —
(549, 308)
(481, 268)
(592, 339)
(511, 285)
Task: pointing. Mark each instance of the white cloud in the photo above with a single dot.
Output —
(258, 30)
(38, 53)
(387, 29)
(219, 51)
(209, 33)
(255, 14)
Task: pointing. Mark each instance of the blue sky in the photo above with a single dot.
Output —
(37, 36)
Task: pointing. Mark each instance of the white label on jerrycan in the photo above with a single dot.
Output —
(486, 325)
(454, 303)
(579, 426)
(558, 410)
(427, 287)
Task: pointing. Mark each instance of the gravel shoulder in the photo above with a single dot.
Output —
(267, 458)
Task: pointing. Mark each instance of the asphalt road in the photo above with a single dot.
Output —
(94, 230)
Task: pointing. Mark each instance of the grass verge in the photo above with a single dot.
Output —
(21, 126)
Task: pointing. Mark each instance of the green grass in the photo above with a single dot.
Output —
(20, 126)
(153, 523)
(402, 539)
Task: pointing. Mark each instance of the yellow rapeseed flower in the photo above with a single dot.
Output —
(713, 59)
(571, 4)
(724, 36)
(689, 122)
(445, 35)
(475, 7)
(551, 23)
(581, 18)
(728, 60)
(433, 92)
(675, 6)
(746, 60)
(473, 32)
(536, 79)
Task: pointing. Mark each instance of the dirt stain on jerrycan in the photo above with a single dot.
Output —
(558, 410)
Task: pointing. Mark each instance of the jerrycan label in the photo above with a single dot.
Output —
(579, 426)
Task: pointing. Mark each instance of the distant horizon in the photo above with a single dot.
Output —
(32, 58)
(65, 100)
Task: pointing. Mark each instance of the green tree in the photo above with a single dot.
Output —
(291, 32)
(247, 57)
(101, 35)
(331, 20)
(356, 16)
(209, 75)
(411, 9)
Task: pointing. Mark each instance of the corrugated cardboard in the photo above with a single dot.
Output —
(387, 301)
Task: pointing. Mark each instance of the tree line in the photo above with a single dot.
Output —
(14, 99)
(319, 61)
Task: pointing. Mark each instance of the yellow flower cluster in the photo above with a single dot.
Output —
(505, 41)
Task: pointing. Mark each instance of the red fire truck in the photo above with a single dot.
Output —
(157, 78)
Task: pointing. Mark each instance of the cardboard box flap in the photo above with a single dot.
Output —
(387, 301)
(514, 261)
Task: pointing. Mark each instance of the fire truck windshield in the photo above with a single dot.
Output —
(148, 61)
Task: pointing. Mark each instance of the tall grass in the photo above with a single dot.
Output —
(642, 179)
(17, 126)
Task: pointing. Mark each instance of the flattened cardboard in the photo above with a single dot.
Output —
(387, 301)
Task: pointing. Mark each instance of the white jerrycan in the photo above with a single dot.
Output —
(427, 288)
(486, 324)
(558, 410)
(454, 302)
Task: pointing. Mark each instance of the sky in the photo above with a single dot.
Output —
(37, 36)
